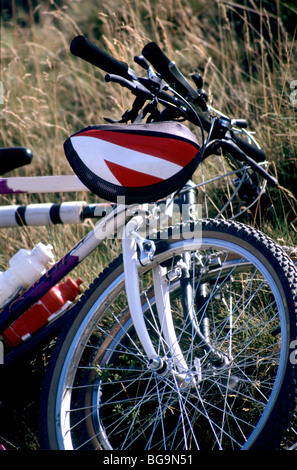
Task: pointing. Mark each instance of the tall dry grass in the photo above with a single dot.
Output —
(245, 54)
(246, 51)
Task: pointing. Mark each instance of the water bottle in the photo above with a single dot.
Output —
(26, 267)
(58, 299)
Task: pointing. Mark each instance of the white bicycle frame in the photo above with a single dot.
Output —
(111, 225)
(131, 239)
(107, 228)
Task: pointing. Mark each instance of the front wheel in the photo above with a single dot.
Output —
(232, 294)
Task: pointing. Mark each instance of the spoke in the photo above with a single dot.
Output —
(133, 407)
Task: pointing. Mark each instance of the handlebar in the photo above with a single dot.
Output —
(255, 153)
(119, 72)
(228, 146)
(83, 48)
(161, 63)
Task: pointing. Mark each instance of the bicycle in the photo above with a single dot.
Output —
(183, 342)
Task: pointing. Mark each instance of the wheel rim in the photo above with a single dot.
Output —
(178, 405)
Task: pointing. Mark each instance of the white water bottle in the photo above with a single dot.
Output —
(26, 267)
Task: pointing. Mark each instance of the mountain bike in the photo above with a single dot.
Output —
(184, 341)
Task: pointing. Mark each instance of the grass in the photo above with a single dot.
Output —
(246, 51)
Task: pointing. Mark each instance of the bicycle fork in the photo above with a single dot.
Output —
(132, 242)
(178, 365)
(177, 362)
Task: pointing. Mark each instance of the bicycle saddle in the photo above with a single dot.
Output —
(141, 162)
(14, 157)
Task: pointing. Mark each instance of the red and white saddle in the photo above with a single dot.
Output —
(141, 162)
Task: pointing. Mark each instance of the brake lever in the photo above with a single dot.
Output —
(179, 76)
(198, 96)
(134, 86)
(231, 147)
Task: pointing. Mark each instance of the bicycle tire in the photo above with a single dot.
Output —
(100, 373)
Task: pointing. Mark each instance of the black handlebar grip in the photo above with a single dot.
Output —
(83, 48)
(14, 157)
(160, 62)
(255, 153)
(238, 153)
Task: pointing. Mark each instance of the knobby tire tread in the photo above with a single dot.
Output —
(283, 267)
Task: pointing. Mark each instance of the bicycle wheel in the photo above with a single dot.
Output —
(232, 295)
